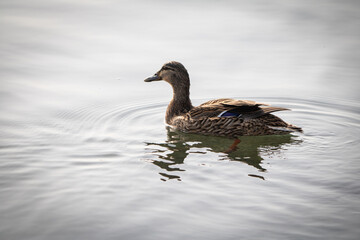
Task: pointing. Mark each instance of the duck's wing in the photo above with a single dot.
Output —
(227, 107)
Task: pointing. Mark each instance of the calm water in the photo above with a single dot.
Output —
(85, 153)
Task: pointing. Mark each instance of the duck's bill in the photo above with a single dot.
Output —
(153, 78)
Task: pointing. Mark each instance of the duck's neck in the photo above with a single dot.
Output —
(180, 103)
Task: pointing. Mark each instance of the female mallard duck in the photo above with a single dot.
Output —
(221, 117)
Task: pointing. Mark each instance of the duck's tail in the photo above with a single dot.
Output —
(288, 128)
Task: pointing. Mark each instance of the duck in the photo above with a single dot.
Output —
(225, 117)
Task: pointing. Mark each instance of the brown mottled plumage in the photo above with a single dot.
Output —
(220, 117)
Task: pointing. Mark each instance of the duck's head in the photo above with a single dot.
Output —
(172, 72)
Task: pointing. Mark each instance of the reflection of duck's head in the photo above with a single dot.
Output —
(171, 154)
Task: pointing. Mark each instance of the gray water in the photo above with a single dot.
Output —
(85, 153)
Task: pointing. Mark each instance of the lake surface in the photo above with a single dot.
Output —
(84, 150)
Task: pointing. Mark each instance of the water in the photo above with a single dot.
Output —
(85, 153)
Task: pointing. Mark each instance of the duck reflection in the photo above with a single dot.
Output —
(171, 154)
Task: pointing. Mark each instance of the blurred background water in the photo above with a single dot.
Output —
(83, 145)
